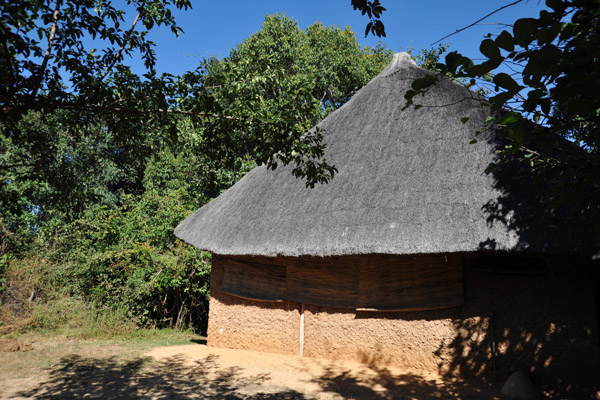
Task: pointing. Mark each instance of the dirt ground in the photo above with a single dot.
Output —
(247, 374)
(195, 371)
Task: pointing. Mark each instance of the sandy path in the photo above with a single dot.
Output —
(196, 371)
(294, 377)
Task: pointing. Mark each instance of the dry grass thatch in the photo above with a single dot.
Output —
(409, 182)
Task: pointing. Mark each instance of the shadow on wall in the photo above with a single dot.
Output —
(544, 324)
(547, 324)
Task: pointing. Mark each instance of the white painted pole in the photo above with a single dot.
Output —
(301, 329)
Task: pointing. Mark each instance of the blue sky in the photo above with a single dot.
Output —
(214, 28)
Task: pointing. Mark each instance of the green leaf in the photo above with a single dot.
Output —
(547, 35)
(480, 70)
(507, 82)
(368, 28)
(498, 101)
(523, 30)
(508, 118)
(556, 5)
(505, 41)
(453, 61)
(517, 132)
(379, 29)
(464, 120)
(489, 48)
(425, 82)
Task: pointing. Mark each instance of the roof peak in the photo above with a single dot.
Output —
(401, 60)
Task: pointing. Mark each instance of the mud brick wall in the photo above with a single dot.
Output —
(546, 323)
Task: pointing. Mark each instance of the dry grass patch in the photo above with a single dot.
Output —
(37, 352)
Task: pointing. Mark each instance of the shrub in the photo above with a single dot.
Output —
(127, 258)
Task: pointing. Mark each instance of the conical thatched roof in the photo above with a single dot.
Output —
(409, 182)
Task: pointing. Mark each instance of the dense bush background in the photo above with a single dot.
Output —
(87, 208)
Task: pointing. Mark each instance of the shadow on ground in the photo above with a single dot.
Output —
(380, 383)
(76, 377)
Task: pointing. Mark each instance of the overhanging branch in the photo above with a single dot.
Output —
(48, 52)
(476, 22)
(7, 111)
(118, 55)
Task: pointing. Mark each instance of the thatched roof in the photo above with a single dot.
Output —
(409, 182)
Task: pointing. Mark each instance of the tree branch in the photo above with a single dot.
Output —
(478, 21)
(4, 167)
(40, 76)
(118, 55)
(496, 23)
(91, 107)
(481, 100)
(6, 51)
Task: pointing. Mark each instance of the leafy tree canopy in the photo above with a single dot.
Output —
(45, 67)
(74, 121)
(78, 127)
(284, 80)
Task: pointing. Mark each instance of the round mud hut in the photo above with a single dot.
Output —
(412, 255)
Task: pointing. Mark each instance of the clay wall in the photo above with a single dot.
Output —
(238, 323)
(546, 323)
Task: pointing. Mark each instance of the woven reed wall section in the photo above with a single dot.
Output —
(254, 280)
(370, 282)
(407, 283)
(321, 283)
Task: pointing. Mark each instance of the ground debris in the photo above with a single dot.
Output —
(13, 346)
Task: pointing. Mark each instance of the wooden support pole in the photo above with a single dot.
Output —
(301, 329)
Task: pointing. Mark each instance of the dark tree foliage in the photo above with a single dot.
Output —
(95, 175)
(373, 9)
(75, 121)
